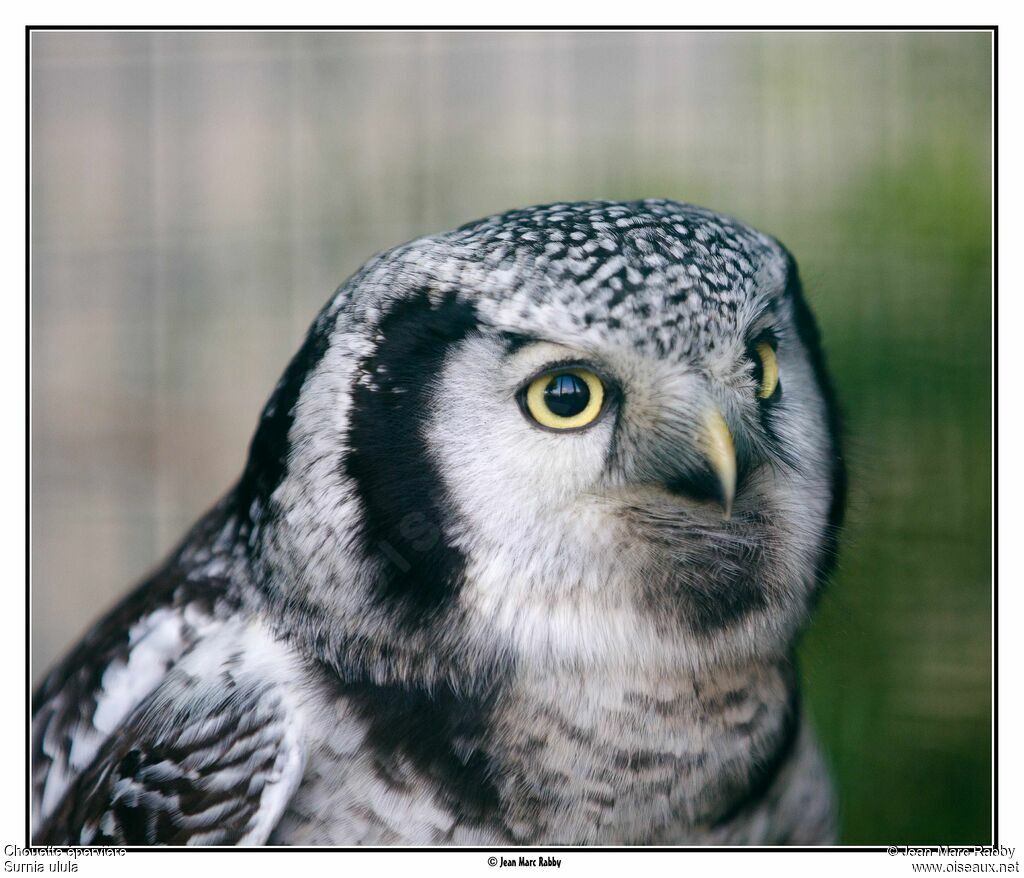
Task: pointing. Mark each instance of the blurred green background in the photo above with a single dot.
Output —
(197, 197)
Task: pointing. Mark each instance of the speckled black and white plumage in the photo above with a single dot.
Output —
(420, 619)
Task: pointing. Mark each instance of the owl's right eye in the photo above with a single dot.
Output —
(565, 399)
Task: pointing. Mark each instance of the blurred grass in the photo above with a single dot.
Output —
(898, 661)
(197, 196)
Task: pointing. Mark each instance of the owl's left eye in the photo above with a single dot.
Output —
(565, 399)
(766, 370)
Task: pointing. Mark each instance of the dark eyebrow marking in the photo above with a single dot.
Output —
(514, 342)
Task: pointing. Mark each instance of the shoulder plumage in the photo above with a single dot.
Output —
(122, 659)
(210, 756)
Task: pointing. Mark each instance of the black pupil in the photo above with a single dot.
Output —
(566, 395)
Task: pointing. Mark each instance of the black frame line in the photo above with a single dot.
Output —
(993, 29)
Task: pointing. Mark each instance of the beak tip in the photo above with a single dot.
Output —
(725, 501)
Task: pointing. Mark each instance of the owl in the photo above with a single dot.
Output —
(526, 535)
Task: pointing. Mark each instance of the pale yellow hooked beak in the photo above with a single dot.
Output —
(716, 442)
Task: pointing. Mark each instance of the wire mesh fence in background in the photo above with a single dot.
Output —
(196, 198)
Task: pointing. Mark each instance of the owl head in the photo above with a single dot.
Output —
(580, 433)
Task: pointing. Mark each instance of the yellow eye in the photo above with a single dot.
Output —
(566, 399)
(768, 373)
